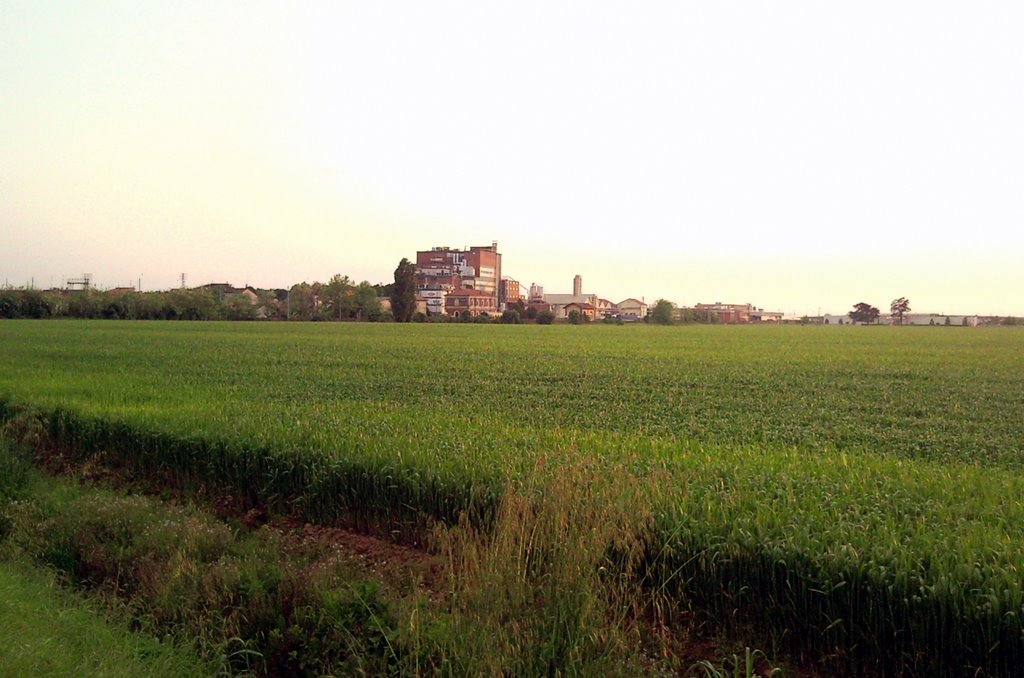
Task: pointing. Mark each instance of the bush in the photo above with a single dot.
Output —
(545, 318)
(510, 317)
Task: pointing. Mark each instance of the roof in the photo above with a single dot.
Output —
(584, 307)
(468, 292)
(631, 299)
(563, 299)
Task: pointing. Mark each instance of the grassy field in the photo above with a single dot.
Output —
(848, 491)
(49, 632)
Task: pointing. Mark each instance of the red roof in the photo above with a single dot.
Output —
(466, 292)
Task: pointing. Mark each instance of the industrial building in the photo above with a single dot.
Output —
(440, 271)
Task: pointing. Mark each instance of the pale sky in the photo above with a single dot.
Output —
(795, 155)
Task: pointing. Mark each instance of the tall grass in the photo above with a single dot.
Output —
(555, 573)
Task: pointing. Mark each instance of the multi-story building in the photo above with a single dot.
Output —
(509, 292)
(444, 270)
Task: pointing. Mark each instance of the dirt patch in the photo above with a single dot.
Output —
(397, 566)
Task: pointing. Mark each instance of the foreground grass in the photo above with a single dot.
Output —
(512, 601)
(47, 631)
(251, 603)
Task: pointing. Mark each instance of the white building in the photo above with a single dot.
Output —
(632, 307)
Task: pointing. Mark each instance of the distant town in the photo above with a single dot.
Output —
(449, 284)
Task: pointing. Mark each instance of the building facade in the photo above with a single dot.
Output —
(442, 270)
(634, 309)
(727, 313)
(509, 292)
(465, 301)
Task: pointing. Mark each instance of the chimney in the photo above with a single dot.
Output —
(577, 286)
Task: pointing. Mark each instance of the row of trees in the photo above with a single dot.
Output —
(340, 298)
(180, 304)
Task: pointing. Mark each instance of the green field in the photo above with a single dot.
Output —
(48, 632)
(849, 491)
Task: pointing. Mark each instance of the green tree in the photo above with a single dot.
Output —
(301, 303)
(899, 308)
(403, 294)
(338, 293)
(237, 307)
(199, 304)
(367, 305)
(663, 312)
(863, 312)
(34, 304)
(85, 304)
(10, 306)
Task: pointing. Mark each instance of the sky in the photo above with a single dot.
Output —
(801, 156)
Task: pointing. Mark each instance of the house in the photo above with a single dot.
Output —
(606, 308)
(225, 291)
(559, 302)
(588, 311)
(632, 307)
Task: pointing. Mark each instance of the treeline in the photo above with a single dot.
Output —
(179, 304)
(338, 299)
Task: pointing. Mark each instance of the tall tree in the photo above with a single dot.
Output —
(664, 312)
(340, 293)
(899, 308)
(403, 294)
(863, 312)
(367, 306)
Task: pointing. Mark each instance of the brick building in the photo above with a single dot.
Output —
(442, 270)
(727, 313)
(469, 301)
(509, 292)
